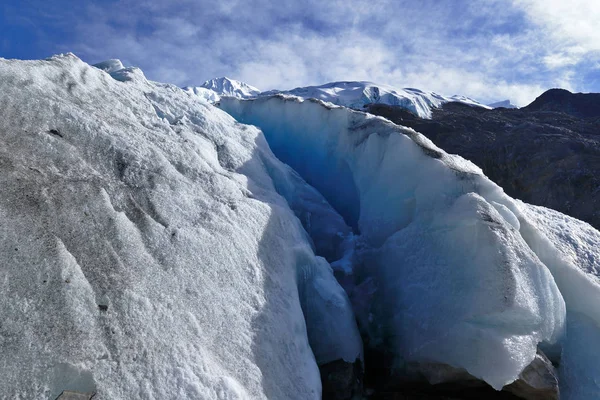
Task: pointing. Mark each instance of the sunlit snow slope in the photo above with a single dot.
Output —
(212, 90)
(353, 94)
(357, 94)
(457, 272)
(145, 251)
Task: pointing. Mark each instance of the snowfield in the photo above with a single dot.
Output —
(352, 94)
(357, 94)
(154, 247)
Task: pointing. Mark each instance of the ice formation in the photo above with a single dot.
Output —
(146, 252)
(466, 275)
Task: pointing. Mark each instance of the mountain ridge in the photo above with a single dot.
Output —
(584, 105)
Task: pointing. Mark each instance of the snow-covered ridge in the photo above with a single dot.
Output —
(216, 88)
(357, 94)
(354, 94)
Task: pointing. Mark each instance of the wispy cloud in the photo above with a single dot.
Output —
(487, 50)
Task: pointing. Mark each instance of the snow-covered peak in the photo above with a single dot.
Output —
(357, 94)
(352, 94)
(502, 104)
(230, 87)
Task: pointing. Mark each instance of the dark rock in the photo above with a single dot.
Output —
(341, 380)
(582, 105)
(537, 382)
(435, 381)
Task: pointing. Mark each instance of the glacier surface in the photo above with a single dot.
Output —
(464, 275)
(146, 252)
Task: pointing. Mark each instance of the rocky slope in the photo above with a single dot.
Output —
(583, 105)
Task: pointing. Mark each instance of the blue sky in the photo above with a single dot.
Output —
(489, 49)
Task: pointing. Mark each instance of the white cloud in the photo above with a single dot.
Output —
(560, 60)
(486, 50)
(571, 24)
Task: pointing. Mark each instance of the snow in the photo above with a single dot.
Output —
(353, 94)
(503, 104)
(357, 94)
(146, 251)
(213, 89)
(110, 66)
(116, 69)
(456, 283)
(206, 94)
(569, 248)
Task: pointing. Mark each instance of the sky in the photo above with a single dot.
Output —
(489, 50)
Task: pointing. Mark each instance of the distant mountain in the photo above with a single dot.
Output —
(502, 104)
(230, 87)
(212, 90)
(352, 94)
(583, 105)
(358, 94)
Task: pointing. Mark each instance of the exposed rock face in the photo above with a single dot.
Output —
(537, 382)
(341, 380)
(542, 157)
(434, 381)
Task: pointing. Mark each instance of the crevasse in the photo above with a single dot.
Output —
(465, 275)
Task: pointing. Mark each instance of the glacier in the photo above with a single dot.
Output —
(155, 246)
(464, 274)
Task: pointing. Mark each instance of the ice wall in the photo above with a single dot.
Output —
(457, 283)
